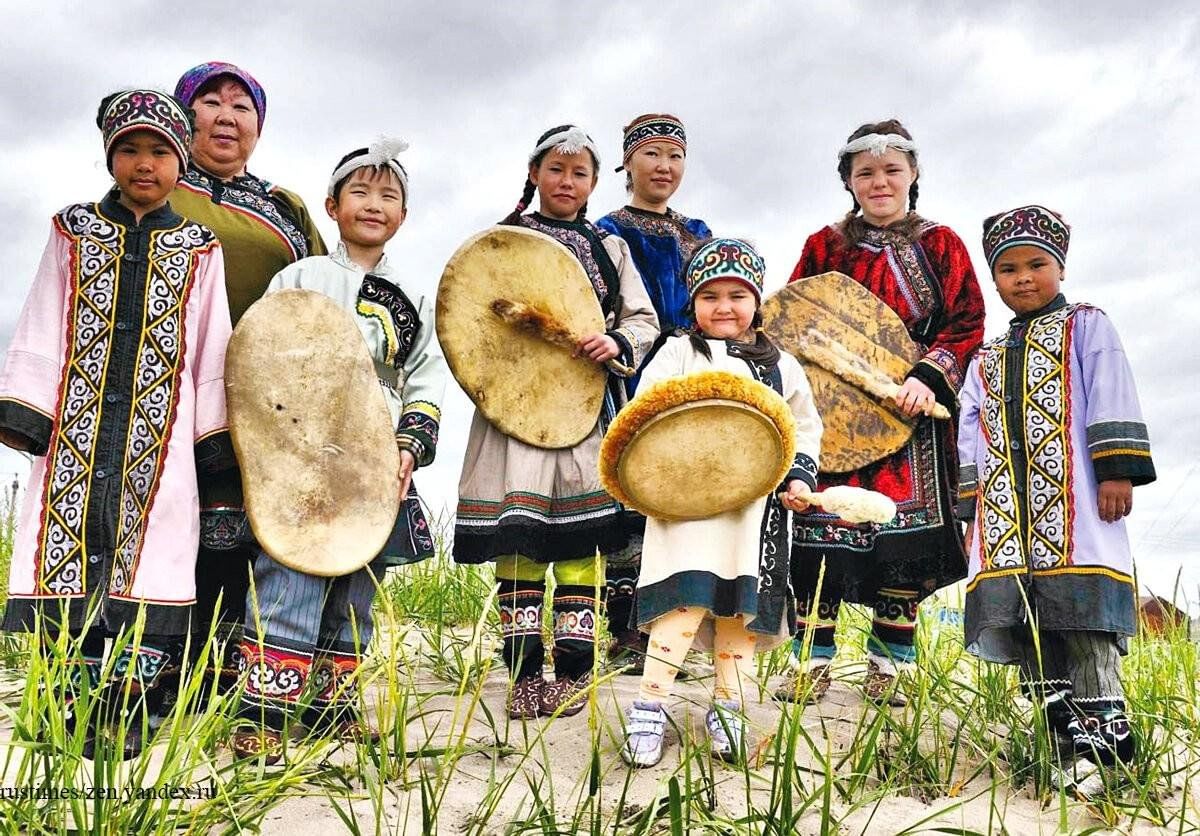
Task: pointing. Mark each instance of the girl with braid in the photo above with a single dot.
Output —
(529, 508)
(922, 271)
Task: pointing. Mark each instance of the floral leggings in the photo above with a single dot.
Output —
(671, 636)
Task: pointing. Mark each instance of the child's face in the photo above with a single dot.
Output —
(370, 207)
(145, 168)
(656, 170)
(725, 309)
(1027, 278)
(564, 182)
(881, 184)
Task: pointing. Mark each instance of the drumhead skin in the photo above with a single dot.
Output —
(525, 386)
(858, 428)
(313, 434)
(667, 453)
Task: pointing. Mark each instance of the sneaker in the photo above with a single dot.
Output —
(806, 687)
(525, 698)
(880, 687)
(565, 696)
(645, 729)
(727, 730)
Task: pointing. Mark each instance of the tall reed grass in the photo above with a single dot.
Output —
(966, 754)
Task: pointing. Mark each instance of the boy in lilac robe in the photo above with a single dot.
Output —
(1051, 443)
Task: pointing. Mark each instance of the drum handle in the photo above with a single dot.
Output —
(835, 358)
(543, 325)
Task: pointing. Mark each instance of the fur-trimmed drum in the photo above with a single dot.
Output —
(313, 434)
(699, 445)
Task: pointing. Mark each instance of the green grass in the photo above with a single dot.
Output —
(455, 763)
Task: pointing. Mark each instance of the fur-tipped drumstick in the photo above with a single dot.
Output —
(834, 357)
(537, 322)
(855, 505)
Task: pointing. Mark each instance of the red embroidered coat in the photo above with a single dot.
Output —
(930, 283)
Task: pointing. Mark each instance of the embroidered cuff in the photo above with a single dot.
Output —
(624, 346)
(417, 430)
(222, 528)
(28, 424)
(934, 376)
(1121, 450)
(804, 469)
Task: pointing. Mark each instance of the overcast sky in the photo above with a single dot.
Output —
(1091, 109)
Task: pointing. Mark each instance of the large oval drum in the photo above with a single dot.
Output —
(667, 454)
(525, 385)
(313, 434)
(858, 428)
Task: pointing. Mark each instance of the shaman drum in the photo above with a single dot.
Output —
(854, 329)
(313, 434)
(526, 384)
(667, 453)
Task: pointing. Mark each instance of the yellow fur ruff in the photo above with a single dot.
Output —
(691, 388)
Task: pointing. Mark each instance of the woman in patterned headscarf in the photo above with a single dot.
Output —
(262, 229)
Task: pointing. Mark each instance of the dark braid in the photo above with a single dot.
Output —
(530, 189)
(522, 204)
(912, 196)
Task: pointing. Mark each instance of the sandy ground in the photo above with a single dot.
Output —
(559, 757)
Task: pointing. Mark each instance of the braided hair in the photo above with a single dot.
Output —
(529, 190)
(853, 227)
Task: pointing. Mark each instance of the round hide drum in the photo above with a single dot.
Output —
(313, 434)
(526, 385)
(858, 427)
(698, 445)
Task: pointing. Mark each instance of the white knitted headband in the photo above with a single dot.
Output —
(878, 144)
(569, 141)
(382, 152)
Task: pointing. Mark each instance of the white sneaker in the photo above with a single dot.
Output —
(645, 728)
(727, 730)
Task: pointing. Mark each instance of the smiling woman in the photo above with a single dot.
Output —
(262, 229)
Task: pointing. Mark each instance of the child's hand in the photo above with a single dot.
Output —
(598, 348)
(794, 498)
(915, 398)
(408, 464)
(1114, 499)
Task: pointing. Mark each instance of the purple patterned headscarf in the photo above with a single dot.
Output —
(1035, 226)
(190, 83)
(145, 110)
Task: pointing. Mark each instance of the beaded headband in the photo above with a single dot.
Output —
(381, 153)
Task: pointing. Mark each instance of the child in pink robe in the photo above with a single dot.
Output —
(114, 381)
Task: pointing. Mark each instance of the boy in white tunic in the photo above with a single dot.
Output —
(720, 582)
(313, 629)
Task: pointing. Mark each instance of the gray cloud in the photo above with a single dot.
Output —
(1087, 107)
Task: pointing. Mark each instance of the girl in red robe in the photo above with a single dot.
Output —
(922, 271)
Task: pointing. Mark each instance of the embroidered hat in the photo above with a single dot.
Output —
(380, 154)
(145, 110)
(725, 258)
(190, 82)
(1034, 225)
(652, 127)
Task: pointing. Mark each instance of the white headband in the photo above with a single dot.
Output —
(878, 144)
(569, 141)
(382, 152)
